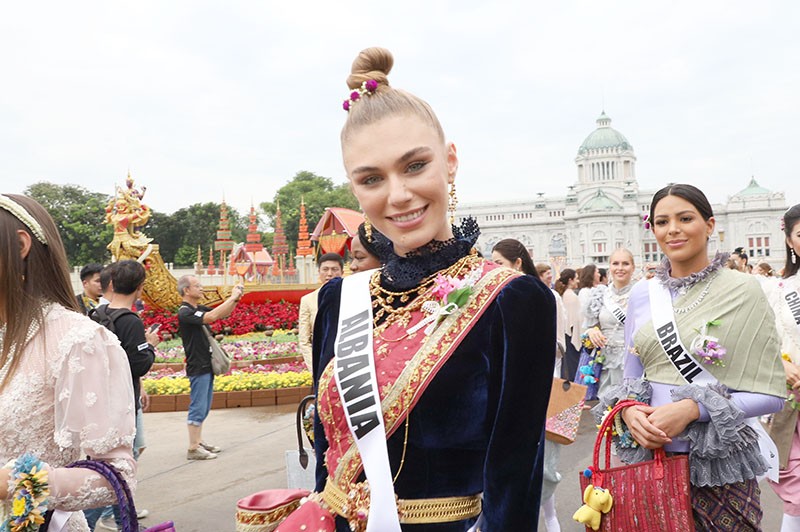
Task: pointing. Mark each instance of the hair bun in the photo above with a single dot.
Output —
(372, 63)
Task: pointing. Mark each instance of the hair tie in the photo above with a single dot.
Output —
(367, 87)
(23, 216)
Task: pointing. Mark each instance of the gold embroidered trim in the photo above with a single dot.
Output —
(255, 518)
(410, 511)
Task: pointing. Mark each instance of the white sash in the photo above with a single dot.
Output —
(357, 383)
(667, 333)
(612, 307)
(792, 298)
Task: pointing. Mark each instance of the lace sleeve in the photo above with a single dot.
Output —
(94, 412)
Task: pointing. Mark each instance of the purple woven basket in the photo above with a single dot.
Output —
(124, 497)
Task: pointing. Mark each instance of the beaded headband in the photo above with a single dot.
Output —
(367, 87)
(23, 216)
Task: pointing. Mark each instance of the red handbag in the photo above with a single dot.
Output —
(651, 496)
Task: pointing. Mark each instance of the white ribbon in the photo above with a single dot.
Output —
(435, 312)
(667, 333)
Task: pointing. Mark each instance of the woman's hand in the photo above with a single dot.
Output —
(597, 337)
(4, 476)
(672, 418)
(792, 374)
(642, 429)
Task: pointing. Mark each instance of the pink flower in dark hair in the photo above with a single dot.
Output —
(371, 85)
(346, 105)
(355, 95)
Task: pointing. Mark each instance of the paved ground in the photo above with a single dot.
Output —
(201, 496)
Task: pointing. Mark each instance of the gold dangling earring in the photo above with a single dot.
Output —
(452, 203)
(367, 228)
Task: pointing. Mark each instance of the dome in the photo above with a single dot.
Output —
(753, 189)
(604, 137)
(600, 202)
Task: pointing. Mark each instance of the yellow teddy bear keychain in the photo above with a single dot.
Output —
(598, 501)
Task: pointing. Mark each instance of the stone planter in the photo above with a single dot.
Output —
(219, 400)
(262, 398)
(290, 396)
(237, 399)
(278, 360)
(182, 402)
(174, 366)
(162, 403)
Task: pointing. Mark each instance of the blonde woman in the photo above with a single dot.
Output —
(607, 310)
(423, 404)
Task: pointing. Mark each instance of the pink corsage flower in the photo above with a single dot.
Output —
(707, 347)
(444, 285)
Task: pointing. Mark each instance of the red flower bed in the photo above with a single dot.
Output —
(245, 318)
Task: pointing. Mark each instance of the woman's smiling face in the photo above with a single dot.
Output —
(681, 232)
(399, 169)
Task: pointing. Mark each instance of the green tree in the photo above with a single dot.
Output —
(78, 214)
(186, 256)
(318, 193)
(190, 227)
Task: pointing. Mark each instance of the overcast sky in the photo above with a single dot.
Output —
(202, 98)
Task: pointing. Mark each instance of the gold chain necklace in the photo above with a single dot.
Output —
(383, 298)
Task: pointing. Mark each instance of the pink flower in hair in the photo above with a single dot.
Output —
(355, 95)
(371, 85)
(346, 105)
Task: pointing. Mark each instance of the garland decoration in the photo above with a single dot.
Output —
(30, 495)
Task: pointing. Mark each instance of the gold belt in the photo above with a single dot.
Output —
(354, 506)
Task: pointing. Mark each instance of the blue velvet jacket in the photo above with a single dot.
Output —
(479, 426)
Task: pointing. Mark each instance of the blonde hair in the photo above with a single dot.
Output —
(622, 250)
(375, 64)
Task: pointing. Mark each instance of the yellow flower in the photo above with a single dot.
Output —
(18, 508)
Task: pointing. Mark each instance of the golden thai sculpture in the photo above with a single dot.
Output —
(127, 213)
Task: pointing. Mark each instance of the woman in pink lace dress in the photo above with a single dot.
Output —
(65, 383)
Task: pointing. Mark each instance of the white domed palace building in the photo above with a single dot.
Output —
(603, 211)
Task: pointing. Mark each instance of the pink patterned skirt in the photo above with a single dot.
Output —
(789, 487)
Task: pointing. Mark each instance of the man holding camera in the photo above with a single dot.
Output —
(192, 317)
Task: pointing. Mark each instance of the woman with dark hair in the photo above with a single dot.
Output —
(513, 254)
(65, 383)
(703, 353)
(588, 279)
(420, 368)
(363, 253)
(784, 297)
(566, 285)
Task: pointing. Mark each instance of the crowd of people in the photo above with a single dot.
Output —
(424, 359)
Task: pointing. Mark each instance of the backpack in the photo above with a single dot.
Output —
(107, 317)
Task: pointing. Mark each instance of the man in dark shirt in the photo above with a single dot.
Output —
(90, 278)
(127, 279)
(192, 317)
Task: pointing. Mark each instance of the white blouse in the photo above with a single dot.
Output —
(71, 396)
(787, 328)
